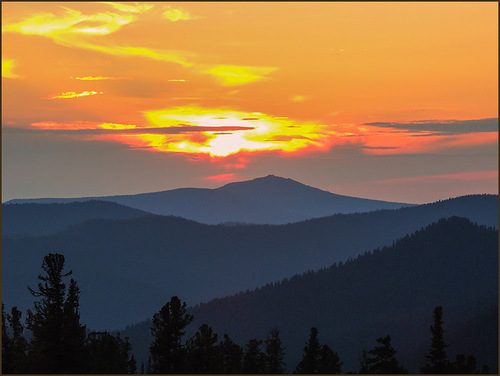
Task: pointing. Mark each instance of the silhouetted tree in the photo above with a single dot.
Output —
(203, 352)
(231, 354)
(382, 358)
(50, 345)
(274, 353)
(132, 365)
(108, 354)
(437, 360)
(5, 345)
(464, 365)
(73, 333)
(167, 353)
(329, 361)
(311, 357)
(254, 358)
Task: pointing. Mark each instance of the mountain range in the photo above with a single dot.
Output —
(265, 200)
(389, 291)
(127, 268)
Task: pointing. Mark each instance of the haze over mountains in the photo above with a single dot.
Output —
(265, 200)
(116, 261)
(393, 290)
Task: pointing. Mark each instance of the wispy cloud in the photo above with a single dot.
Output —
(75, 29)
(235, 75)
(96, 78)
(129, 7)
(221, 178)
(175, 14)
(298, 98)
(74, 94)
(443, 127)
(8, 68)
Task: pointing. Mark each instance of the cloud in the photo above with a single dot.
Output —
(235, 75)
(177, 14)
(8, 68)
(74, 94)
(298, 98)
(443, 127)
(96, 78)
(75, 29)
(213, 132)
(221, 178)
(129, 7)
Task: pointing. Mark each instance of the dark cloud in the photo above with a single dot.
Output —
(444, 127)
(102, 131)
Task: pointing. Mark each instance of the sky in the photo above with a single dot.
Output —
(393, 101)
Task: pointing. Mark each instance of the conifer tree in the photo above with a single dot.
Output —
(48, 348)
(254, 358)
(311, 357)
(274, 353)
(203, 352)
(437, 360)
(6, 341)
(73, 333)
(167, 352)
(382, 358)
(330, 361)
(231, 354)
(108, 354)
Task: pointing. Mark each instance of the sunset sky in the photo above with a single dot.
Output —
(395, 101)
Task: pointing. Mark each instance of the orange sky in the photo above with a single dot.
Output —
(222, 81)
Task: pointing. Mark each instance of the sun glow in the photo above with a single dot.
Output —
(221, 132)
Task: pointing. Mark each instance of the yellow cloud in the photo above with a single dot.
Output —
(235, 75)
(74, 28)
(94, 78)
(60, 27)
(78, 30)
(8, 68)
(233, 131)
(177, 14)
(117, 126)
(298, 98)
(74, 94)
(129, 8)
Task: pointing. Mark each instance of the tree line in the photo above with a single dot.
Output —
(57, 342)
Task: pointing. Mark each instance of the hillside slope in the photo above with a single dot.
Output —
(133, 266)
(393, 291)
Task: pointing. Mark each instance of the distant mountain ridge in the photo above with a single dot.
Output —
(392, 290)
(265, 200)
(116, 261)
(35, 219)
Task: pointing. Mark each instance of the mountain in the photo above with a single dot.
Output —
(128, 268)
(393, 290)
(266, 200)
(44, 219)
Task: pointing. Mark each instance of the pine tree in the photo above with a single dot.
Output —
(311, 357)
(132, 365)
(254, 358)
(274, 353)
(108, 354)
(463, 364)
(167, 353)
(330, 361)
(231, 354)
(73, 333)
(18, 346)
(382, 358)
(47, 347)
(203, 352)
(6, 345)
(437, 360)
